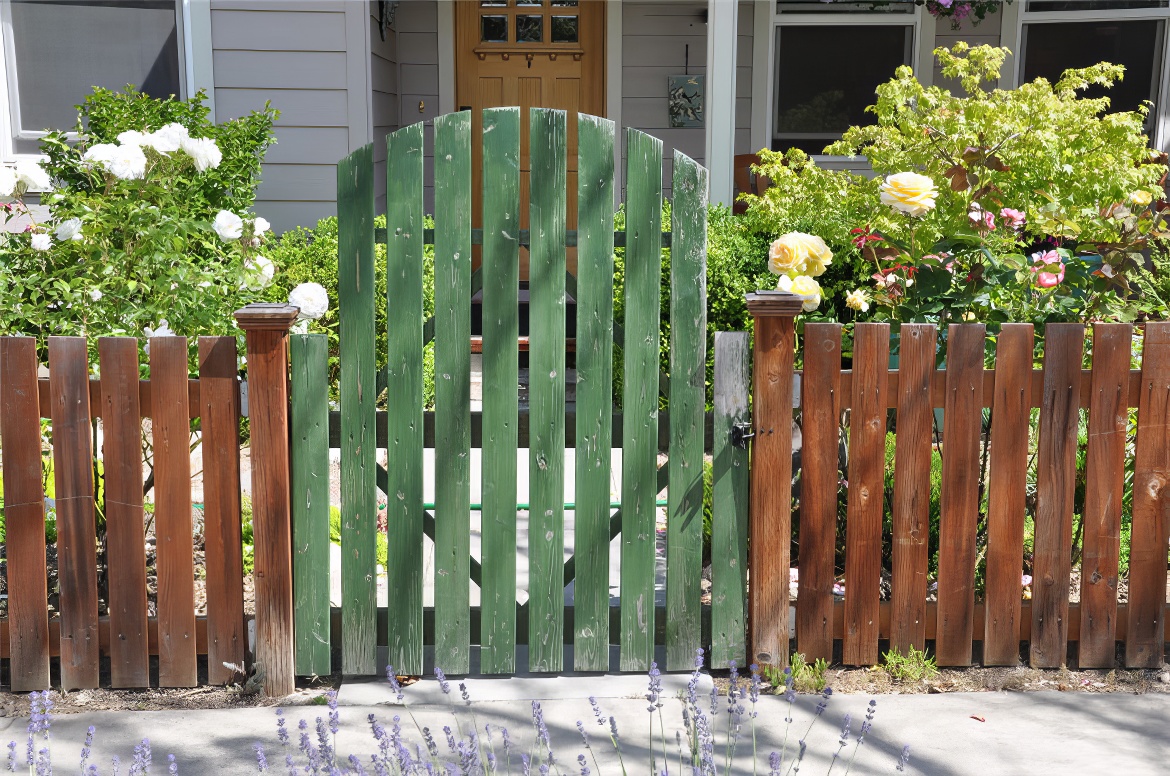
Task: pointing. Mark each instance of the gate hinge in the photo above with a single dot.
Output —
(741, 432)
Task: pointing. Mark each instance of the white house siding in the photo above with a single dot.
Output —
(655, 40)
(417, 23)
(299, 55)
(384, 97)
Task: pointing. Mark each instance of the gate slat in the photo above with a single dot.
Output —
(125, 540)
(594, 428)
(820, 411)
(1145, 635)
(453, 391)
(501, 328)
(729, 516)
(911, 509)
(640, 397)
(309, 355)
(1056, 473)
(1007, 493)
(546, 391)
(1104, 486)
(963, 422)
(171, 434)
(24, 515)
(404, 512)
(867, 457)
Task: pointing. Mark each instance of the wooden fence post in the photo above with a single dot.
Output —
(770, 524)
(266, 327)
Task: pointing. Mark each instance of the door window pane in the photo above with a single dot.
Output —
(1093, 5)
(529, 29)
(564, 29)
(822, 89)
(493, 29)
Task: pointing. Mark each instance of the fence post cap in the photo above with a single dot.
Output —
(772, 303)
(267, 316)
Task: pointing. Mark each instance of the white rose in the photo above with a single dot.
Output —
(163, 330)
(858, 300)
(260, 226)
(32, 175)
(69, 229)
(228, 226)
(7, 181)
(127, 163)
(258, 273)
(41, 241)
(168, 139)
(311, 298)
(132, 137)
(910, 193)
(95, 295)
(203, 151)
(100, 153)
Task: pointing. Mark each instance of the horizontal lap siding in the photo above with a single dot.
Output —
(417, 24)
(384, 57)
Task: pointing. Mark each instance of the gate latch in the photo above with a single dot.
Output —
(741, 432)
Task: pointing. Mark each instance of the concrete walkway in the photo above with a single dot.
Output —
(1018, 733)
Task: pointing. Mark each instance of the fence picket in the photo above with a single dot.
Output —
(171, 434)
(911, 509)
(594, 429)
(729, 511)
(404, 511)
(125, 538)
(1104, 484)
(309, 418)
(501, 330)
(963, 423)
(1007, 493)
(1145, 632)
(546, 390)
(1056, 474)
(640, 397)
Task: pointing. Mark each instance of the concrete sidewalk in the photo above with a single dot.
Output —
(1018, 733)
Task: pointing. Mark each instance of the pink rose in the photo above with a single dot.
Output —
(1012, 217)
(1042, 267)
(982, 219)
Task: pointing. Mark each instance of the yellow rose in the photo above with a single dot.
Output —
(1141, 198)
(801, 253)
(857, 300)
(809, 290)
(910, 193)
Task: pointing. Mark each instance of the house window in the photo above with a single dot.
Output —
(57, 51)
(822, 88)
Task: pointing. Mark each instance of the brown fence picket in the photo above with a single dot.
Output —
(820, 411)
(867, 458)
(76, 532)
(1145, 634)
(125, 540)
(1056, 471)
(960, 493)
(911, 510)
(171, 434)
(1104, 486)
(24, 515)
(1006, 493)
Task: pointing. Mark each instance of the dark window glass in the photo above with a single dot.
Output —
(823, 89)
(1093, 5)
(565, 3)
(493, 3)
(1050, 49)
(493, 29)
(529, 2)
(564, 29)
(529, 29)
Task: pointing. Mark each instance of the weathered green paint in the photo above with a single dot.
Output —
(501, 328)
(688, 397)
(640, 396)
(355, 287)
(546, 388)
(594, 295)
(309, 354)
(453, 391)
(404, 491)
(729, 517)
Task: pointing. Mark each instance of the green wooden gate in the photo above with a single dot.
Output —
(544, 622)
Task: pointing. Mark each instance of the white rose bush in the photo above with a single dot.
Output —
(150, 226)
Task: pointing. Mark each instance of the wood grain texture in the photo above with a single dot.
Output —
(594, 427)
(171, 435)
(730, 491)
(24, 516)
(546, 390)
(453, 391)
(863, 527)
(640, 396)
(960, 493)
(1007, 493)
(1104, 486)
(309, 355)
(911, 507)
(125, 531)
(355, 293)
(1145, 636)
(1056, 471)
(820, 414)
(688, 397)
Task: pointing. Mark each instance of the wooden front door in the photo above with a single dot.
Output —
(534, 54)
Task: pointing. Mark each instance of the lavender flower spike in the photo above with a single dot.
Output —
(261, 761)
(394, 685)
(444, 685)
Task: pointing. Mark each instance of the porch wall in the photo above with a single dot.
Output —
(417, 23)
(384, 104)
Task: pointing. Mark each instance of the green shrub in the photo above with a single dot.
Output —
(381, 543)
(914, 666)
(806, 677)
